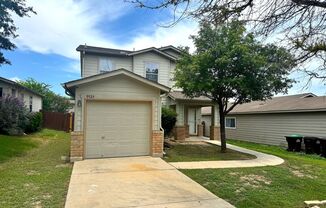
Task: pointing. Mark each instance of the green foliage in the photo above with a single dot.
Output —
(51, 101)
(13, 116)
(169, 118)
(7, 27)
(35, 122)
(230, 64)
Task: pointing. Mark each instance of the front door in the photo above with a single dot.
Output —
(192, 121)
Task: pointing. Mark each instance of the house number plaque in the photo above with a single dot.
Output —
(90, 96)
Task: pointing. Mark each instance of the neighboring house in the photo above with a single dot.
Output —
(32, 100)
(118, 102)
(269, 121)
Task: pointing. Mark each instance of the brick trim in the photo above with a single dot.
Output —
(76, 146)
(215, 133)
(180, 132)
(157, 143)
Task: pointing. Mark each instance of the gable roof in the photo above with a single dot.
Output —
(170, 47)
(71, 85)
(178, 95)
(306, 102)
(154, 50)
(119, 52)
(10, 82)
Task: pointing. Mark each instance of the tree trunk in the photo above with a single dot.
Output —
(222, 127)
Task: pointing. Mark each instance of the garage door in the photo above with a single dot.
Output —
(115, 129)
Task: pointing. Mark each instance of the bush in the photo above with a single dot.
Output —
(169, 118)
(35, 122)
(13, 116)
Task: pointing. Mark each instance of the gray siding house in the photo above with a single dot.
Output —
(267, 122)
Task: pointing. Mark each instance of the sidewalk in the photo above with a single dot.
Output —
(261, 160)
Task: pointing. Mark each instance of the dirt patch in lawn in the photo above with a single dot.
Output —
(255, 181)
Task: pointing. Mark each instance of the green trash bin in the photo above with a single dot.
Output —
(294, 142)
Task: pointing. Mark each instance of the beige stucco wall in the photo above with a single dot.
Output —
(91, 63)
(120, 87)
(271, 128)
(135, 64)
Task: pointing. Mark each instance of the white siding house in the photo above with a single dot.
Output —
(31, 99)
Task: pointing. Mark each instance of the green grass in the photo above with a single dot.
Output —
(31, 171)
(302, 177)
(201, 152)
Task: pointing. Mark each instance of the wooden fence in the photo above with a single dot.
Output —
(58, 121)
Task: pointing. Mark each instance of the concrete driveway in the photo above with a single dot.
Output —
(135, 182)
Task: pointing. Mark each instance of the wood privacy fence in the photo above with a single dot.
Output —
(58, 121)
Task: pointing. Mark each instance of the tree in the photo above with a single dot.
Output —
(51, 101)
(302, 23)
(231, 67)
(7, 26)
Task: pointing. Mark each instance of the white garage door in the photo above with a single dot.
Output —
(115, 129)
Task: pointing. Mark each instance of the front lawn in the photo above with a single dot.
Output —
(31, 171)
(201, 151)
(302, 177)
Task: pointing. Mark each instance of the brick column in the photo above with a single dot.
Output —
(157, 143)
(200, 130)
(76, 146)
(215, 133)
(179, 132)
(186, 131)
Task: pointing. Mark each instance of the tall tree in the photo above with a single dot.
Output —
(231, 67)
(51, 101)
(301, 23)
(7, 25)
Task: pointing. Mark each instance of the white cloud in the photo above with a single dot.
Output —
(60, 26)
(15, 79)
(177, 35)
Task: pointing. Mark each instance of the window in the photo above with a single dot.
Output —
(22, 96)
(30, 103)
(105, 65)
(0, 91)
(151, 71)
(230, 123)
(13, 92)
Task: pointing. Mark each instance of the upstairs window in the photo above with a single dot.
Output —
(230, 123)
(105, 65)
(0, 91)
(152, 71)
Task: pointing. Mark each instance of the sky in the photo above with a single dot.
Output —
(47, 42)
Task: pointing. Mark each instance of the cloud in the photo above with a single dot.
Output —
(60, 26)
(177, 35)
(15, 79)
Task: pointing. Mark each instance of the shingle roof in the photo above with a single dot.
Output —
(178, 95)
(293, 103)
(119, 52)
(10, 82)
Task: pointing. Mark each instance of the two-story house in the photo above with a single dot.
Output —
(118, 102)
(31, 99)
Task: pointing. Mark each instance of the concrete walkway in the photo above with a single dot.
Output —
(261, 160)
(135, 182)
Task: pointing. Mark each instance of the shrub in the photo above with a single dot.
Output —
(169, 118)
(13, 116)
(35, 122)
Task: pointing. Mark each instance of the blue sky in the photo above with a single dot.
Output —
(47, 41)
